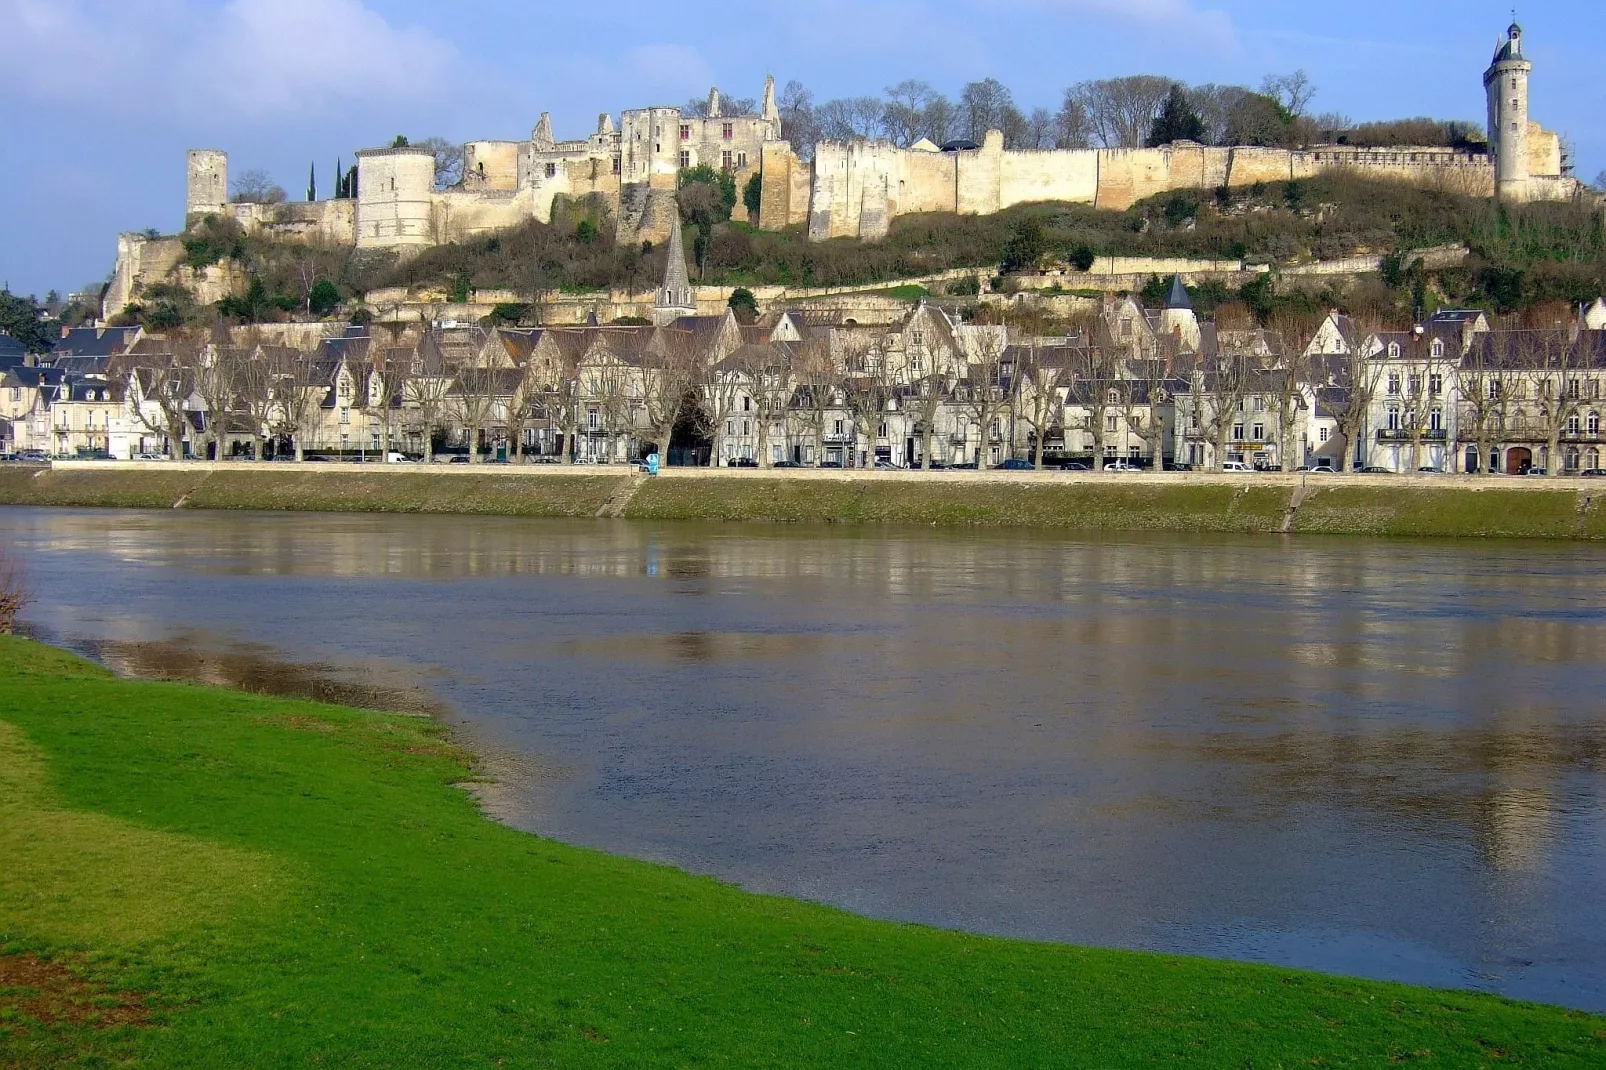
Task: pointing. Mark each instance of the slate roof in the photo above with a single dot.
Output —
(11, 348)
(97, 342)
(1178, 297)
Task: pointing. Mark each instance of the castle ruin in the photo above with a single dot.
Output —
(849, 189)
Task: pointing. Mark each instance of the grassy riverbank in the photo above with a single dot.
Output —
(196, 877)
(1439, 507)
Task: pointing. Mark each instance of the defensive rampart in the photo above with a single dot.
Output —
(861, 186)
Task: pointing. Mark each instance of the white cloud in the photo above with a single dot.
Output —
(248, 59)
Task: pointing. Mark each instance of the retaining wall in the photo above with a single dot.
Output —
(1436, 506)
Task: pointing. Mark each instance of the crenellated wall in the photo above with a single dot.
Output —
(860, 187)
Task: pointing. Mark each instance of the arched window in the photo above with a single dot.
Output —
(1572, 459)
(1593, 423)
(1394, 350)
(1572, 424)
(1592, 458)
(1438, 347)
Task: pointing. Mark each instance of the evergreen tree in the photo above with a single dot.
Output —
(1177, 121)
(312, 183)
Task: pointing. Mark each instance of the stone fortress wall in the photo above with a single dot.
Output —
(859, 187)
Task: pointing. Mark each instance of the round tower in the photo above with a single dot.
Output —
(207, 184)
(395, 198)
(1506, 83)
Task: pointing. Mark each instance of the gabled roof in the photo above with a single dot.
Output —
(10, 347)
(96, 341)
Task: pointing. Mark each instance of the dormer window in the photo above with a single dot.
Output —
(1394, 350)
(1438, 347)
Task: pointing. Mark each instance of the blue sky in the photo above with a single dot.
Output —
(102, 97)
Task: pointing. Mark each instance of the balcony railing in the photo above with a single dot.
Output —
(1404, 435)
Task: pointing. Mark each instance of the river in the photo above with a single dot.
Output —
(1385, 759)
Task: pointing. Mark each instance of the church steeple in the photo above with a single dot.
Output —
(675, 296)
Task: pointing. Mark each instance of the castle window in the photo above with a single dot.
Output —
(741, 159)
(616, 165)
(552, 170)
(728, 132)
(725, 160)
(685, 159)
(685, 131)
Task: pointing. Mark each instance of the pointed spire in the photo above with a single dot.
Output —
(714, 106)
(1178, 298)
(675, 296)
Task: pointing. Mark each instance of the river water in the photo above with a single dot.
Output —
(1377, 758)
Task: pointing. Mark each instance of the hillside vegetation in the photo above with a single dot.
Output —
(1521, 256)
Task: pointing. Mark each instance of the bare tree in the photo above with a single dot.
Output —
(1074, 124)
(257, 187)
(214, 386)
(798, 123)
(850, 117)
(301, 391)
(1293, 91)
(987, 105)
(448, 161)
(670, 370)
(985, 391)
(1290, 335)
(424, 405)
(904, 117)
(255, 380)
(161, 385)
(1553, 372)
(1362, 375)
(1121, 111)
(1482, 391)
(773, 384)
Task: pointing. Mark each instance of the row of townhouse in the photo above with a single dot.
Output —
(1147, 387)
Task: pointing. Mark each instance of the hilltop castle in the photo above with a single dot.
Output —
(849, 189)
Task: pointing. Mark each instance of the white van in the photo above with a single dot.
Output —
(1235, 466)
(396, 458)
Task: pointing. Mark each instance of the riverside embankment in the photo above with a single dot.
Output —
(196, 877)
(1428, 506)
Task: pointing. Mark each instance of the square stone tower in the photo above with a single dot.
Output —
(207, 190)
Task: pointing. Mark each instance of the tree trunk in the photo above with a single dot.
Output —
(925, 447)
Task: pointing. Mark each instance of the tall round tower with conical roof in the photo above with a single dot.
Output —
(1506, 82)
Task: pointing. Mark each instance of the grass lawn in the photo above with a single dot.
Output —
(196, 877)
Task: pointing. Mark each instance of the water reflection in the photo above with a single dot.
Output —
(1377, 758)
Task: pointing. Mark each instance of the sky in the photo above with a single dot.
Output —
(103, 97)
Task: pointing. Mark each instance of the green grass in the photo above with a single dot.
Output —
(1459, 513)
(487, 493)
(1065, 506)
(293, 885)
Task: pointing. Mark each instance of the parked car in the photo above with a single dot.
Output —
(1235, 466)
(1429, 470)
(888, 466)
(1323, 469)
(1376, 470)
(1536, 472)
(741, 462)
(786, 464)
(1074, 466)
(1015, 464)
(149, 457)
(397, 458)
(1121, 466)
(1593, 472)
(1182, 466)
